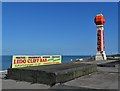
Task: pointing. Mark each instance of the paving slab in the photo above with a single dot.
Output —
(103, 79)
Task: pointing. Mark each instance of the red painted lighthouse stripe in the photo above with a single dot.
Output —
(102, 45)
(100, 40)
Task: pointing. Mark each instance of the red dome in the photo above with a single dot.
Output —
(99, 19)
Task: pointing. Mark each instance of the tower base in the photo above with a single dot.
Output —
(100, 55)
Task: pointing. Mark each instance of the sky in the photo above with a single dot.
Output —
(57, 28)
(0, 29)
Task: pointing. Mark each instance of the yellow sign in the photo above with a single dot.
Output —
(24, 61)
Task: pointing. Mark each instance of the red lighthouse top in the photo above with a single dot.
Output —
(99, 19)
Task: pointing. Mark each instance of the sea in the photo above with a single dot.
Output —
(7, 60)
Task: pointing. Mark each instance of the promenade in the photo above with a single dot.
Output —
(104, 78)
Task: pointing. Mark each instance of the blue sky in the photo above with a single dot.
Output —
(57, 28)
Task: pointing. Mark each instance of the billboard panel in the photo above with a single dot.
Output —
(24, 61)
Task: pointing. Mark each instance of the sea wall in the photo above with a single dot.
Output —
(51, 74)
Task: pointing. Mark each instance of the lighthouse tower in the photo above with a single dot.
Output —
(99, 21)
